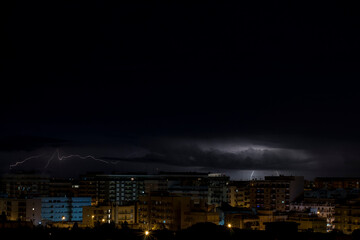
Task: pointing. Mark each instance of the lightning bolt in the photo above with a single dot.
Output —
(56, 155)
(252, 174)
(25, 160)
(61, 158)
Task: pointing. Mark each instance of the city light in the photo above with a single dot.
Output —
(229, 225)
(63, 218)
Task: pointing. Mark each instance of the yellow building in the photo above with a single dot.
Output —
(162, 211)
(96, 214)
(239, 194)
(347, 217)
(125, 214)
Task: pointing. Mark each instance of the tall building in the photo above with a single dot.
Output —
(275, 192)
(218, 188)
(112, 188)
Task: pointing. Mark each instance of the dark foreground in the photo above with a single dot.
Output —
(199, 231)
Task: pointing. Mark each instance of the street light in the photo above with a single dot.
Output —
(229, 225)
(63, 218)
(147, 233)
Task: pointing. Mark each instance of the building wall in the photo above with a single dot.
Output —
(33, 211)
(336, 183)
(218, 189)
(239, 194)
(322, 210)
(63, 209)
(25, 185)
(347, 217)
(275, 193)
(96, 214)
(14, 209)
(125, 214)
(162, 211)
(113, 189)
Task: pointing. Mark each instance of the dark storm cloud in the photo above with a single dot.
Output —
(253, 153)
(250, 158)
(28, 143)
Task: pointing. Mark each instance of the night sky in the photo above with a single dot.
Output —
(264, 86)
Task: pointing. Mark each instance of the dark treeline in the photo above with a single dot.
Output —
(203, 231)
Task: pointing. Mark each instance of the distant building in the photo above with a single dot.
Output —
(21, 185)
(337, 182)
(112, 188)
(275, 192)
(125, 189)
(63, 188)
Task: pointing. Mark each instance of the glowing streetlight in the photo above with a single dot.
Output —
(147, 233)
(229, 225)
(103, 220)
(92, 216)
(63, 218)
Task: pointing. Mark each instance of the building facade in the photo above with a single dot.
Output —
(162, 211)
(239, 194)
(18, 185)
(275, 192)
(63, 209)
